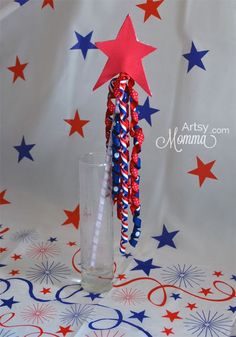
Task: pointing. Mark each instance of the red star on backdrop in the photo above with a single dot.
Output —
(71, 243)
(151, 8)
(3, 201)
(18, 70)
(77, 124)
(14, 272)
(205, 291)
(64, 330)
(48, 3)
(203, 171)
(73, 217)
(217, 273)
(168, 331)
(172, 315)
(191, 306)
(125, 54)
(46, 291)
(2, 250)
(16, 257)
(121, 277)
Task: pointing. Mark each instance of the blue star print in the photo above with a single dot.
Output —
(24, 150)
(22, 2)
(145, 266)
(84, 43)
(175, 296)
(166, 238)
(93, 296)
(139, 315)
(195, 57)
(51, 239)
(233, 309)
(145, 111)
(8, 303)
(127, 255)
(233, 277)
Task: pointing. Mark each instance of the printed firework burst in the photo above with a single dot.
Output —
(38, 313)
(128, 296)
(7, 333)
(77, 314)
(43, 250)
(104, 333)
(24, 236)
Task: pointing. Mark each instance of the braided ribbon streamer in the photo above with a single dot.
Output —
(125, 175)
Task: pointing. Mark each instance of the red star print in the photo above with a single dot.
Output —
(205, 291)
(2, 250)
(121, 277)
(77, 124)
(217, 273)
(3, 201)
(71, 243)
(172, 315)
(14, 272)
(129, 51)
(73, 217)
(203, 171)
(64, 330)
(16, 257)
(150, 7)
(46, 291)
(168, 331)
(191, 306)
(18, 69)
(48, 2)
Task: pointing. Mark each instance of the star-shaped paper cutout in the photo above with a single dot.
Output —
(145, 266)
(233, 277)
(166, 238)
(93, 296)
(3, 201)
(151, 8)
(191, 306)
(73, 217)
(175, 296)
(84, 43)
(14, 272)
(205, 291)
(145, 111)
(51, 239)
(48, 3)
(194, 57)
(139, 315)
(18, 70)
(71, 243)
(24, 150)
(203, 171)
(217, 273)
(125, 54)
(77, 124)
(172, 315)
(46, 291)
(233, 309)
(8, 303)
(168, 331)
(121, 277)
(3, 249)
(64, 330)
(22, 2)
(16, 257)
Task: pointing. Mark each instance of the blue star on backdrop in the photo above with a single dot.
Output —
(195, 57)
(145, 111)
(93, 296)
(22, 2)
(166, 238)
(175, 296)
(145, 266)
(233, 277)
(139, 315)
(51, 239)
(24, 150)
(233, 309)
(84, 43)
(8, 303)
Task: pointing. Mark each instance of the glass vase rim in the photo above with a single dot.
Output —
(84, 159)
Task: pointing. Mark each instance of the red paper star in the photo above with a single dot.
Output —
(172, 315)
(71, 243)
(46, 291)
(76, 124)
(18, 69)
(48, 2)
(191, 306)
(64, 330)
(14, 272)
(16, 257)
(150, 8)
(217, 273)
(3, 201)
(203, 171)
(121, 277)
(125, 54)
(73, 217)
(2, 250)
(205, 291)
(168, 331)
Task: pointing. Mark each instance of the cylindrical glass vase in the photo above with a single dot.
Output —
(96, 225)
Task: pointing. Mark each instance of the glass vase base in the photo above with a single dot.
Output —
(96, 284)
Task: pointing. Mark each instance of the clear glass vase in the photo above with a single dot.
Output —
(96, 225)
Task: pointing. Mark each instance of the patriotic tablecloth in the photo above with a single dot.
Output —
(181, 278)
